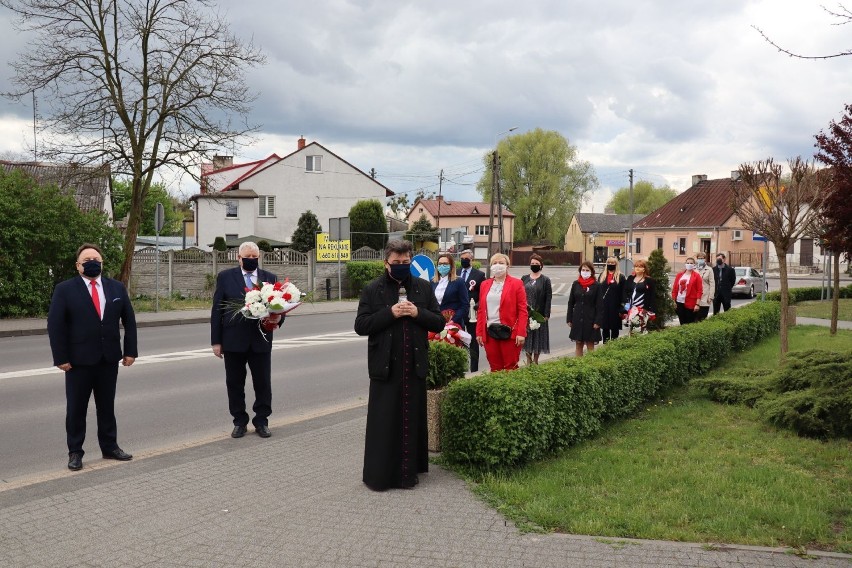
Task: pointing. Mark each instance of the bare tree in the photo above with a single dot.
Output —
(782, 213)
(843, 15)
(138, 84)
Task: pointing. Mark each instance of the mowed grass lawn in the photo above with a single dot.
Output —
(689, 469)
(822, 309)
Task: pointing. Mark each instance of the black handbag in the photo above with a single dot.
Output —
(499, 331)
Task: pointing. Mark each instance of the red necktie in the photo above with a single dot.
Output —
(95, 298)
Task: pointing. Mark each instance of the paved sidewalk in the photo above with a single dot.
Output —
(296, 499)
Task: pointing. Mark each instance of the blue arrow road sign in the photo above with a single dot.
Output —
(422, 267)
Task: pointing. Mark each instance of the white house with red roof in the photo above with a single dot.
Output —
(267, 197)
(472, 217)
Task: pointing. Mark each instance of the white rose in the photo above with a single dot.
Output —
(258, 310)
(253, 296)
(266, 290)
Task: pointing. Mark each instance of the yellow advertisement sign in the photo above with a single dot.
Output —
(327, 250)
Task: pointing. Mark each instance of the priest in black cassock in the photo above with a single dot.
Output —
(396, 311)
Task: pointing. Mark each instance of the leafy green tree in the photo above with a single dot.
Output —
(264, 245)
(399, 204)
(646, 198)
(122, 194)
(368, 225)
(658, 269)
(543, 182)
(220, 244)
(40, 229)
(422, 231)
(305, 236)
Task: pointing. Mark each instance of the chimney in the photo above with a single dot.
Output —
(220, 162)
(301, 144)
(698, 178)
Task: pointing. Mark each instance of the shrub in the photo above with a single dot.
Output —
(508, 418)
(446, 363)
(797, 295)
(219, 244)
(747, 389)
(811, 394)
(360, 272)
(497, 419)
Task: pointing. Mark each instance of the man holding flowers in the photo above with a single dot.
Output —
(243, 340)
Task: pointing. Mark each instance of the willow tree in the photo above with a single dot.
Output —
(783, 212)
(542, 181)
(137, 84)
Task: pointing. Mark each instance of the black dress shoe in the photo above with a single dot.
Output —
(117, 454)
(238, 432)
(263, 431)
(75, 461)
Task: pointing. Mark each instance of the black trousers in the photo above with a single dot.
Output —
(80, 382)
(685, 315)
(260, 365)
(723, 301)
(702, 312)
(470, 327)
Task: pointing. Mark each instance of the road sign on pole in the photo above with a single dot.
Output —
(756, 237)
(422, 267)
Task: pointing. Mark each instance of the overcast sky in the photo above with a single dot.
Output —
(669, 88)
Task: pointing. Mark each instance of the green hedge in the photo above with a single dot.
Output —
(360, 272)
(509, 418)
(446, 363)
(807, 294)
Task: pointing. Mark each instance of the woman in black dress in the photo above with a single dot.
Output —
(612, 284)
(585, 309)
(539, 294)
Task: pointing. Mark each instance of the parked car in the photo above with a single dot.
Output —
(748, 281)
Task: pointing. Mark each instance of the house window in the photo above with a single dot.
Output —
(266, 206)
(638, 246)
(231, 237)
(660, 242)
(313, 163)
(482, 229)
(681, 247)
(232, 209)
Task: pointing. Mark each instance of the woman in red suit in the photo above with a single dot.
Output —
(501, 322)
(686, 292)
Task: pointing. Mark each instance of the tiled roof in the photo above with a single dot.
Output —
(704, 205)
(605, 222)
(457, 208)
(90, 185)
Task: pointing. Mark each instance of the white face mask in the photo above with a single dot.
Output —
(585, 274)
(689, 266)
(498, 270)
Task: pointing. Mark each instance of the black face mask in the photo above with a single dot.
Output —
(720, 262)
(610, 267)
(400, 271)
(249, 264)
(465, 262)
(92, 268)
(535, 267)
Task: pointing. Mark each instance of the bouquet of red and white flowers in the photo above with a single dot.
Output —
(637, 317)
(267, 299)
(452, 333)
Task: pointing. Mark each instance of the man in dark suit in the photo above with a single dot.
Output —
(242, 342)
(473, 280)
(724, 277)
(83, 327)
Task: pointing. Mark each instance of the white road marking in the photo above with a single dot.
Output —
(283, 343)
(558, 290)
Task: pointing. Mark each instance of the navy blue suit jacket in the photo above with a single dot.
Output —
(78, 336)
(455, 298)
(231, 330)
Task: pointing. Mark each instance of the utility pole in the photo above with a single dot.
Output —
(35, 138)
(630, 228)
(499, 201)
(440, 199)
(491, 211)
